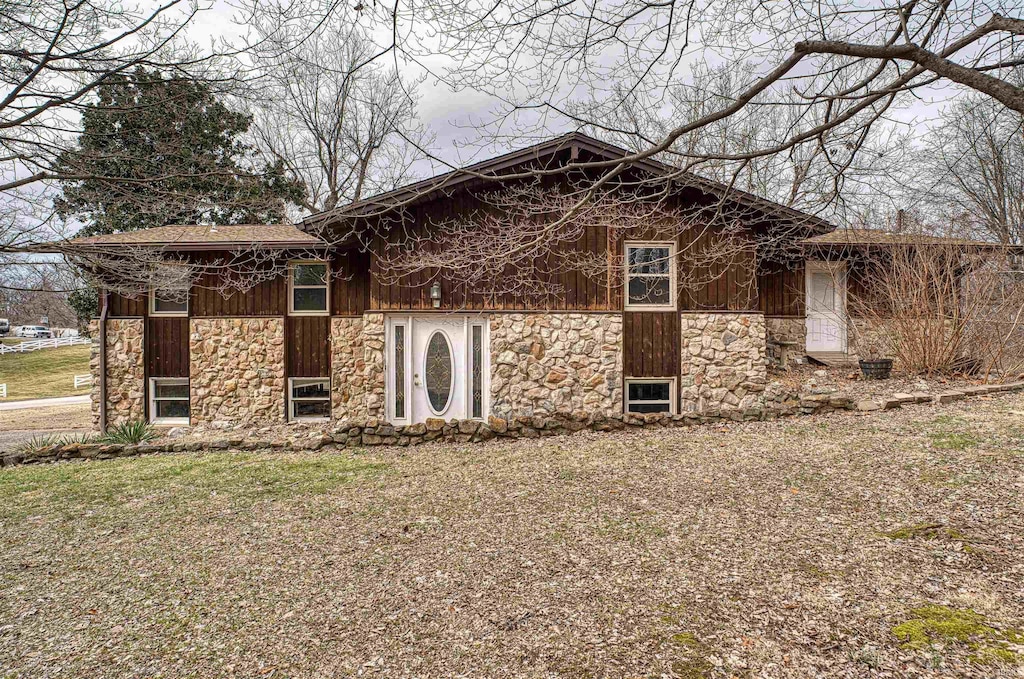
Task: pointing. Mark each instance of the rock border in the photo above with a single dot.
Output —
(375, 433)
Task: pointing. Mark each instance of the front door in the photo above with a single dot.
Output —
(436, 367)
(826, 307)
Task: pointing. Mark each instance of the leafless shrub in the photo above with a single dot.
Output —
(939, 305)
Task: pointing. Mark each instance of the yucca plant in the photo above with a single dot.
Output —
(132, 432)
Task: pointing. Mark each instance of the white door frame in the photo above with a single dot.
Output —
(838, 272)
(412, 363)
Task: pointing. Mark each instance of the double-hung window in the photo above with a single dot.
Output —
(310, 398)
(168, 400)
(651, 396)
(650, 276)
(166, 303)
(308, 293)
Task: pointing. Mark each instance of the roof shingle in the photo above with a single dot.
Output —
(285, 235)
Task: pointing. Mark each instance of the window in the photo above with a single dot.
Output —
(651, 396)
(307, 285)
(650, 275)
(400, 387)
(166, 303)
(477, 360)
(168, 400)
(310, 398)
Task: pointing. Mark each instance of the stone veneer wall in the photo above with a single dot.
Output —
(357, 367)
(543, 363)
(126, 371)
(792, 330)
(723, 361)
(236, 371)
(347, 369)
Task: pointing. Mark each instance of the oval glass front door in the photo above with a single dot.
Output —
(438, 372)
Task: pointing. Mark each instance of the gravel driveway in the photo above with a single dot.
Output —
(884, 544)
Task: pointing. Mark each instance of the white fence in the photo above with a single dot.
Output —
(36, 344)
(82, 381)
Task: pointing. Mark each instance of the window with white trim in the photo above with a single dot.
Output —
(650, 276)
(310, 398)
(166, 303)
(168, 400)
(650, 396)
(308, 292)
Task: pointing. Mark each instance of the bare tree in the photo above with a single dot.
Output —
(345, 127)
(974, 165)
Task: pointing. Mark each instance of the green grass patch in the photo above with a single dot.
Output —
(177, 481)
(44, 373)
(951, 433)
(932, 626)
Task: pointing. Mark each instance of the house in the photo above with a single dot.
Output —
(327, 334)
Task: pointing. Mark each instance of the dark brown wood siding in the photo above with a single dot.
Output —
(711, 281)
(651, 344)
(350, 283)
(781, 289)
(308, 340)
(267, 298)
(122, 306)
(167, 347)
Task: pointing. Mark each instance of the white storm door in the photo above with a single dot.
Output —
(826, 306)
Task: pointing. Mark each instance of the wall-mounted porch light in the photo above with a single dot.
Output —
(435, 294)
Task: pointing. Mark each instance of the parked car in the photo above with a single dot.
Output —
(5, 326)
(36, 331)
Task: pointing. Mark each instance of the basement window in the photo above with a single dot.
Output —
(307, 288)
(650, 396)
(650, 276)
(310, 398)
(168, 400)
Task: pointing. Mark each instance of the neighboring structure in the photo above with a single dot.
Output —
(330, 339)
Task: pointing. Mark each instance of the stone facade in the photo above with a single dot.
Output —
(126, 371)
(373, 357)
(542, 363)
(723, 361)
(786, 337)
(348, 379)
(236, 371)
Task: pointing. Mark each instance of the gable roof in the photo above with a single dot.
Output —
(573, 142)
(203, 236)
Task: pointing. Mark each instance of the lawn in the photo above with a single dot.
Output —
(44, 373)
(851, 545)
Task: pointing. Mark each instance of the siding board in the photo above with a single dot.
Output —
(167, 347)
(651, 344)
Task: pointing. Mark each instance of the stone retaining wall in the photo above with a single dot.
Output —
(236, 371)
(126, 371)
(361, 434)
(723, 361)
(543, 363)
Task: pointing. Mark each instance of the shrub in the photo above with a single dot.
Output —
(136, 431)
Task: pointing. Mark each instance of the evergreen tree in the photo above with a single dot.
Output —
(155, 151)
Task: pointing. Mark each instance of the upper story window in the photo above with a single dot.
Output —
(168, 303)
(307, 287)
(650, 276)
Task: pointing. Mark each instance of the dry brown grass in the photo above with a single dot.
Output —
(752, 550)
(54, 418)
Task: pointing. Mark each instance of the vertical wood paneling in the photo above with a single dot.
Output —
(651, 344)
(167, 347)
(308, 346)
